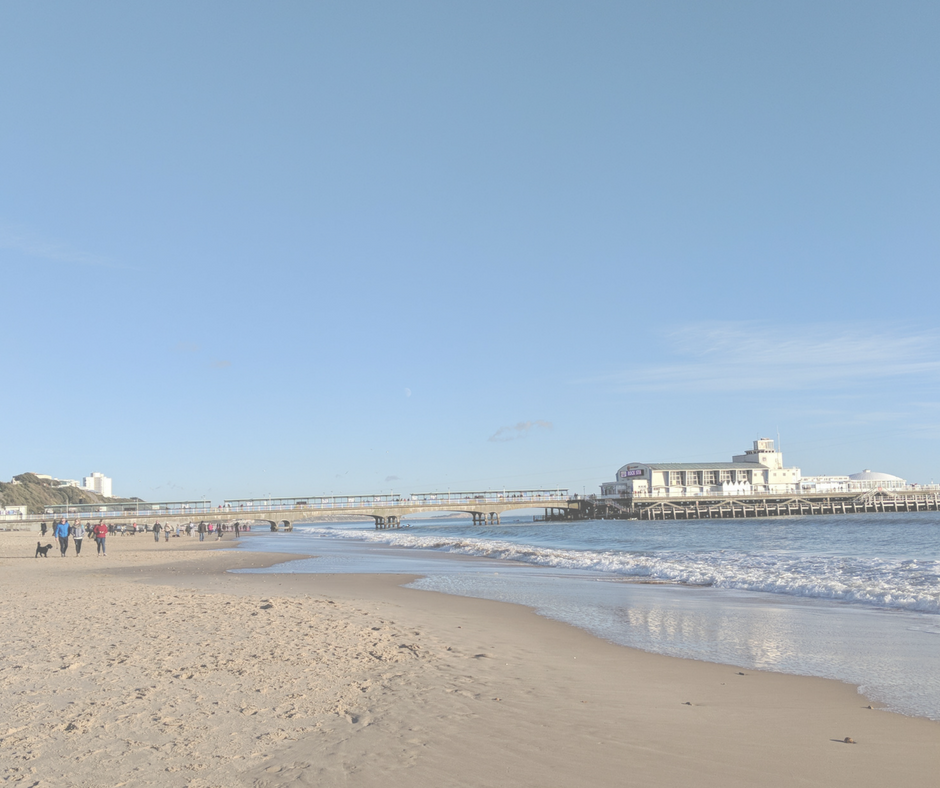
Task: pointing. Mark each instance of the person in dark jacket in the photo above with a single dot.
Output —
(156, 532)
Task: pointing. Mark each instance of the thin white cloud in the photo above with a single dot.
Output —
(517, 431)
(53, 251)
(754, 356)
(221, 364)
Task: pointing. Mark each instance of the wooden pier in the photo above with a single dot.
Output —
(743, 506)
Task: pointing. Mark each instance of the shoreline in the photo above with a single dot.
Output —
(209, 677)
(890, 654)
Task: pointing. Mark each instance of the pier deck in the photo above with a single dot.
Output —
(776, 505)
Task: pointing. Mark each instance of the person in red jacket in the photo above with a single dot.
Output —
(101, 533)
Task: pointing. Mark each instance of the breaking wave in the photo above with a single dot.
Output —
(912, 585)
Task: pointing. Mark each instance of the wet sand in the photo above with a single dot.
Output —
(154, 666)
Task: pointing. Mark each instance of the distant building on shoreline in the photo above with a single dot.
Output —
(98, 483)
(54, 482)
(857, 482)
(759, 470)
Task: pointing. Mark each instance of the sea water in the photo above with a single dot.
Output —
(849, 597)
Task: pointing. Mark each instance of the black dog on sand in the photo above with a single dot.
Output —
(42, 551)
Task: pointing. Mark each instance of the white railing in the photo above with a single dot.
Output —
(437, 503)
(444, 502)
(703, 494)
(660, 493)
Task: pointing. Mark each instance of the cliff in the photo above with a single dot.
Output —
(29, 490)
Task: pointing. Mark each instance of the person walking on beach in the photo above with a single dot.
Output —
(101, 533)
(238, 530)
(156, 532)
(218, 531)
(166, 532)
(61, 532)
(78, 536)
(202, 530)
(42, 528)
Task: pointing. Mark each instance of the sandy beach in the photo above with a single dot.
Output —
(154, 666)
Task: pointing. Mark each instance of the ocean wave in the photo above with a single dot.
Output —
(893, 584)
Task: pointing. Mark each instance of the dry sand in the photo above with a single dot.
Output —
(154, 667)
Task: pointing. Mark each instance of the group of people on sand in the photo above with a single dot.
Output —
(202, 530)
(62, 530)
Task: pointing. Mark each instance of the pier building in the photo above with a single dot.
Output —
(824, 484)
(857, 482)
(758, 470)
(872, 480)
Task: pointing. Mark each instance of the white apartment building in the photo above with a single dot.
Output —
(98, 483)
(758, 470)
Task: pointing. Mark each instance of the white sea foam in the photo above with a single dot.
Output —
(912, 585)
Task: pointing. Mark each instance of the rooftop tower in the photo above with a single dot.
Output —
(763, 453)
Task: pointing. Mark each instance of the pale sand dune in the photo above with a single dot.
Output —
(154, 667)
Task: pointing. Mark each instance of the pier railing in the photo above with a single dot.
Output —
(763, 493)
(767, 505)
(205, 510)
(442, 501)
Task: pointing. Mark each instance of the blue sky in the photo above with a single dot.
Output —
(300, 248)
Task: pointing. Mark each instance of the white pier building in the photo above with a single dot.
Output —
(857, 482)
(758, 470)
